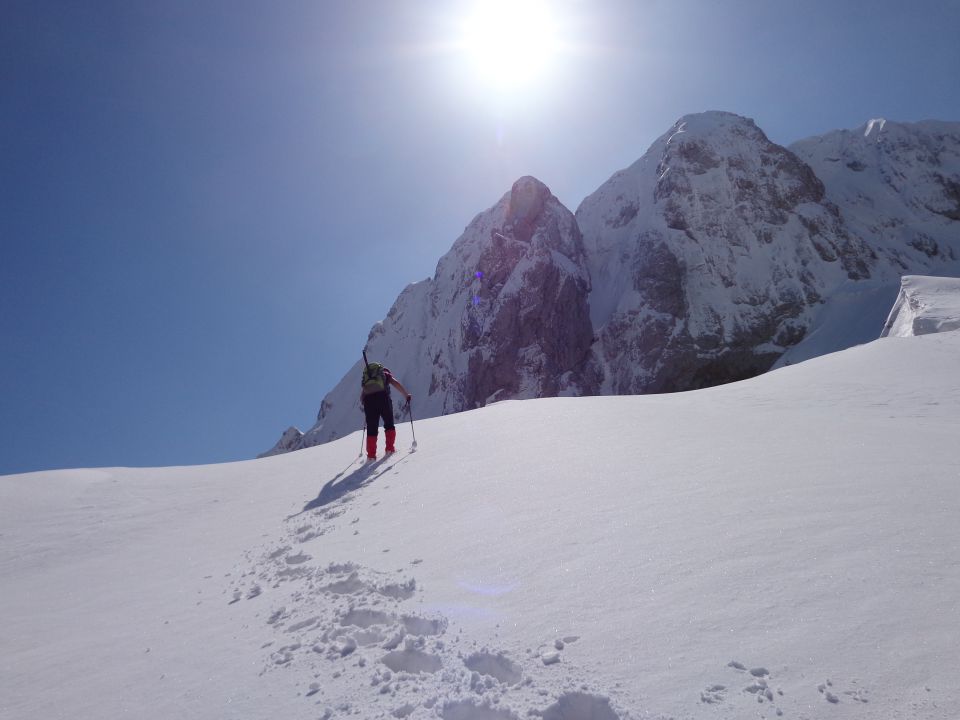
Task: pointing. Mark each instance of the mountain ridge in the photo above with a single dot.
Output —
(714, 257)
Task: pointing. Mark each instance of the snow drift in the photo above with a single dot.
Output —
(924, 305)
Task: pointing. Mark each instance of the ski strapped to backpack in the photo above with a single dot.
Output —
(373, 380)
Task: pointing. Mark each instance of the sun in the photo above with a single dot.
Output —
(510, 43)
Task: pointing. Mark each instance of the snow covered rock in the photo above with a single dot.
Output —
(898, 185)
(504, 316)
(925, 305)
(290, 440)
(708, 255)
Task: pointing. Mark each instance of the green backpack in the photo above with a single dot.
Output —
(373, 379)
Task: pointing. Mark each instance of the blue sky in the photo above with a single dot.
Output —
(204, 206)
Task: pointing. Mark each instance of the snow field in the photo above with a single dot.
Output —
(782, 547)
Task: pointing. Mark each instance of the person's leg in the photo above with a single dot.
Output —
(372, 411)
(389, 430)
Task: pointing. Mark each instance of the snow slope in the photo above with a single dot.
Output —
(924, 305)
(784, 546)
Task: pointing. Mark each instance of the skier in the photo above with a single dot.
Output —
(377, 403)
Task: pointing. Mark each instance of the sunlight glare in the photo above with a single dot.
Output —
(510, 43)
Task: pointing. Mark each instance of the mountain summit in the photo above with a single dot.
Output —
(714, 256)
(707, 256)
(504, 316)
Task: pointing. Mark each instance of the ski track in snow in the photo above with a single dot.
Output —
(347, 633)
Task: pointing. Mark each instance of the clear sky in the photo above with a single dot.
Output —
(204, 206)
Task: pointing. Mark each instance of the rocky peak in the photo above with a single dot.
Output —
(504, 316)
(528, 196)
(290, 440)
(707, 255)
(745, 172)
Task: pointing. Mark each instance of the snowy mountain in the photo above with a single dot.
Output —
(708, 256)
(898, 187)
(505, 316)
(779, 547)
(714, 257)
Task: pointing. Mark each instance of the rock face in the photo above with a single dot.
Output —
(708, 256)
(504, 316)
(713, 257)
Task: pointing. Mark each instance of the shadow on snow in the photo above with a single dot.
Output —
(340, 486)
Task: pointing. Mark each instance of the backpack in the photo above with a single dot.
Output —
(373, 380)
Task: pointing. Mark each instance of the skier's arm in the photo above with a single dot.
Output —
(401, 388)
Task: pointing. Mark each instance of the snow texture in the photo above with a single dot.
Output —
(784, 546)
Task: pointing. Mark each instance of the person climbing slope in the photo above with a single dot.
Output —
(377, 403)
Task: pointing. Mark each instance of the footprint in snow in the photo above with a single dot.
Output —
(713, 694)
(365, 617)
(856, 694)
(758, 672)
(470, 710)
(580, 705)
(496, 666)
(278, 553)
(351, 585)
(412, 660)
(759, 687)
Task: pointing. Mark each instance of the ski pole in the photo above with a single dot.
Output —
(410, 413)
(365, 363)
